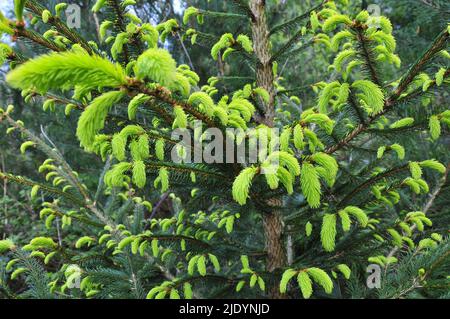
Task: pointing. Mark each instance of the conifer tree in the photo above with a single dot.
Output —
(345, 193)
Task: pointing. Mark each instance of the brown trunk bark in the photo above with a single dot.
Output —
(273, 229)
(276, 253)
(272, 221)
(261, 46)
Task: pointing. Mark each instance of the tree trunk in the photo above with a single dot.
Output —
(273, 229)
(276, 254)
(272, 221)
(261, 46)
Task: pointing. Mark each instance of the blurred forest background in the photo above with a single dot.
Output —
(416, 23)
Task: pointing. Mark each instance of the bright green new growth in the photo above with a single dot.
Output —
(225, 41)
(191, 11)
(227, 53)
(272, 180)
(34, 191)
(26, 145)
(6, 245)
(166, 28)
(139, 176)
(159, 149)
(298, 137)
(342, 57)
(345, 220)
(345, 270)
(386, 39)
(93, 118)
(156, 65)
(440, 76)
(84, 241)
(262, 93)
(139, 148)
(43, 242)
(17, 272)
(407, 121)
(328, 232)
(344, 92)
(135, 103)
(380, 151)
(245, 42)
(286, 160)
(416, 171)
(46, 15)
(322, 120)
(125, 242)
(384, 23)
(180, 118)
(433, 164)
(396, 237)
(321, 278)
(332, 22)
(305, 284)
(326, 95)
(287, 276)
(98, 5)
(5, 51)
(181, 84)
(215, 262)
(286, 179)
(118, 146)
(242, 184)
(115, 177)
(338, 37)
(435, 127)
(371, 95)
(203, 99)
(400, 150)
(359, 214)
(150, 35)
(362, 16)
(285, 138)
(65, 71)
(350, 66)
(329, 164)
(314, 21)
(163, 179)
(308, 229)
(104, 26)
(5, 25)
(310, 183)
(304, 281)
(244, 107)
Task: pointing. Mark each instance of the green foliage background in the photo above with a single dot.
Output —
(416, 25)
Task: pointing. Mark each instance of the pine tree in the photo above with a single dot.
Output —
(345, 192)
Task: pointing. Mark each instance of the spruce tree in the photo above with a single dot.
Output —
(345, 193)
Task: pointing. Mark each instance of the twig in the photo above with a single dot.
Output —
(155, 209)
(186, 52)
(5, 191)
